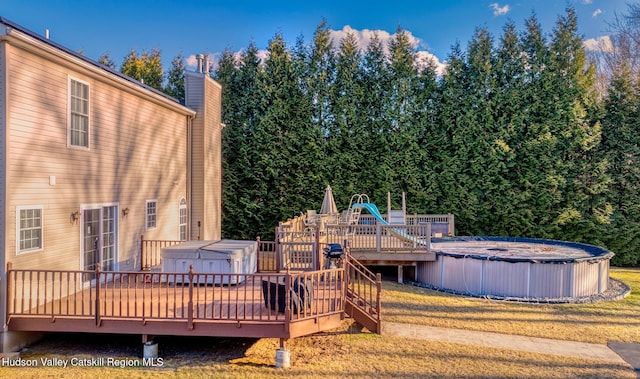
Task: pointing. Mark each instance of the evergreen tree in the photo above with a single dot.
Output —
(402, 160)
(480, 173)
(345, 154)
(509, 114)
(374, 83)
(536, 159)
(105, 59)
(175, 78)
(454, 187)
(582, 208)
(243, 189)
(621, 148)
(430, 138)
(508, 139)
(283, 150)
(320, 76)
(226, 75)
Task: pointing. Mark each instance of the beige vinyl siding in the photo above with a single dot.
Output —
(213, 197)
(206, 152)
(194, 98)
(3, 144)
(137, 152)
(3, 138)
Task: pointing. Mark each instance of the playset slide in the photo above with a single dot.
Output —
(373, 210)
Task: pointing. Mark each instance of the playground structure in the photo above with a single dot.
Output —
(399, 233)
(425, 250)
(371, 238)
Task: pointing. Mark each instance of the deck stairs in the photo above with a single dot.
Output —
(362, 300)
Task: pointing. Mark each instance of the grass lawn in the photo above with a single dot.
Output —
(596, 322)
(351, 353)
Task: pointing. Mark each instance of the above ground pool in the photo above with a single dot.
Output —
(517, 268)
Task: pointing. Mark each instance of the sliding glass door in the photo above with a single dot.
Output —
(99, 238)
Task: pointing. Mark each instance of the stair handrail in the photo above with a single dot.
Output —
(368, 305)
(359, 198)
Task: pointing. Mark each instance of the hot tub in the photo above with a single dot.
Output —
(231, 257)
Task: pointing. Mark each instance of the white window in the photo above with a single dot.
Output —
(151, 213)
(78, 113)
(183, 219)
(29, 224)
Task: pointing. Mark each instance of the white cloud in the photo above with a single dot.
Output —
(597, 12)
(500, 10)
(602, 44)
(587, 2)
(364, 37)
(425, 58)
(191, 60)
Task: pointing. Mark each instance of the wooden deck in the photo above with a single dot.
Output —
(301, 248)
(265, 304)
(147, 303)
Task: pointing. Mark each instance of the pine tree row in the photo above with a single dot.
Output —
(513, 138)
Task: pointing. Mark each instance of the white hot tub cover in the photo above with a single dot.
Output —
(221, 249)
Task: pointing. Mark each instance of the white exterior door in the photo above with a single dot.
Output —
(99, 239)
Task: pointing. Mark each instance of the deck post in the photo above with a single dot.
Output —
(149, 347)
(9, 290)
(348, 271)
(379, 302)
(97, 294)
(141, 252)
(316, 250)
(287, 300)
(190, 303)
(278, 250)
(378, 237)
(283, 356)
(400, 274)
(258, 255)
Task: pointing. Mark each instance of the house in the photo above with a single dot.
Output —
(91, 160)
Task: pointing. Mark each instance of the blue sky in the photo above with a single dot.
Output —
(192, 27)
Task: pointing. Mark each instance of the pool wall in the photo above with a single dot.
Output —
(557, 279)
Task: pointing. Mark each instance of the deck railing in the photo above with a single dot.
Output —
(363, 294)
(381, 238)
(187, 297)
(443, 224)
(150, 252)
(299, 244)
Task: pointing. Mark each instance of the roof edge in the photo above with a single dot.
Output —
(10, 26)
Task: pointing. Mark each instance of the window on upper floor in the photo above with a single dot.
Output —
(29, 229)
(78, 113)
(151, 214)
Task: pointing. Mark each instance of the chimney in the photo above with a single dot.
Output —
(206, 64)
(200, 59)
